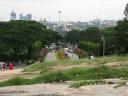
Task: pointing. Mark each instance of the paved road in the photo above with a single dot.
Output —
(50, 57)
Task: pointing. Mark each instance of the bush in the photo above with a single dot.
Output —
(89, 46)
(52, 77)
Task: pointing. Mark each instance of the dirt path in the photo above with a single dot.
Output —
(5, 75)
(63, 90)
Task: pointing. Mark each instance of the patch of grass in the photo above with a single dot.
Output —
(89, 75)
(45, 69)
(16, 81)
(78, 84)
(108, 59)
(34, 67)
(98, 60)
(49, 77)
(101, 72)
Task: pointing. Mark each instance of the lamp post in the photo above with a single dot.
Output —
(103, 46)
(113, 49)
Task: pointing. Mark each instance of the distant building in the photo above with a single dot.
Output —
(12, 15)
(25, 17)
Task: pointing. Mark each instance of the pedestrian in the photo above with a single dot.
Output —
(1, 67)
(92, 57)
(11, 66)
(4, 66)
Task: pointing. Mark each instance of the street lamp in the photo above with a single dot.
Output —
(103, 46)
(113, 48)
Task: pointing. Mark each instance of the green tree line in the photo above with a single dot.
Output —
(19, 38)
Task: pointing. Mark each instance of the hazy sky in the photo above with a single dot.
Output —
(72, 10)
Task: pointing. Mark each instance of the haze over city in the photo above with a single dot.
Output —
(72, 10)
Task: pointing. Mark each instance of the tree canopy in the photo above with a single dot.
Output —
(21, 35)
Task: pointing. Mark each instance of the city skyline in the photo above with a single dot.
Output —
(78, 10)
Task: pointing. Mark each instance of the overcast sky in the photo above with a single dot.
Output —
(72, 10)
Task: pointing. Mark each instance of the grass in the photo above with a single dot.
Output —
(96, 73)
(98, 61)
(16, 81)
(78, 84)
(82, 76)
(89, 75)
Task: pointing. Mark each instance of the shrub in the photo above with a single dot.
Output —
(51, 77)
(89, 46)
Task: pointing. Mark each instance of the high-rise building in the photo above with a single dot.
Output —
(12, 15)
(29, 16)
(25, 17)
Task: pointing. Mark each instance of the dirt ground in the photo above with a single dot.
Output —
(63, 90)
(5, 75)
(60, 89)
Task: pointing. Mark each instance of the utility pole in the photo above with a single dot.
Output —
(103, 46)
(59, 13)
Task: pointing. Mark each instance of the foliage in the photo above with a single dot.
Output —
(96, 73)
(23, 37)
(98, 61)
(89, 47)
(110, 40)
(80, 83)
(126, 11)
(34, 67)
(87, 75)
(15, 81)
(122, 34)
(91, 34)
(52, 77)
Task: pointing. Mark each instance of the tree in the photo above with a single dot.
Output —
(73, 36)
(111, 41)
(92, 34)
(126, 12)
(21, 35)
(122, 35)
(89, 47)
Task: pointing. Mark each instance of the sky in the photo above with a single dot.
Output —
(72, 10)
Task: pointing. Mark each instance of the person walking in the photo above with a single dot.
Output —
(11, 66)
(1, 67)
(4, 66)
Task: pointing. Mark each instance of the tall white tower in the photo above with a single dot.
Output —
(12, 15)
